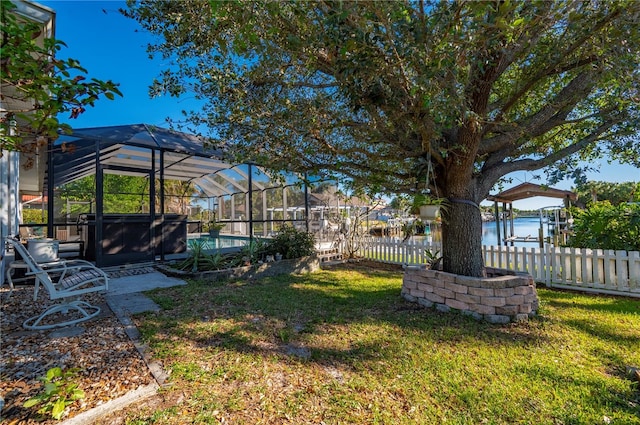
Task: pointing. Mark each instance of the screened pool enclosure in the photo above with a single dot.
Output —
(137, 193)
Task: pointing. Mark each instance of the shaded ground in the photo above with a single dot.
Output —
(109, 364)
(242, 366)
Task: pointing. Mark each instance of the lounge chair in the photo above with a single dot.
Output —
(65, 280)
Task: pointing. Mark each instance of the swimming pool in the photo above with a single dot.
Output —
(220, 242)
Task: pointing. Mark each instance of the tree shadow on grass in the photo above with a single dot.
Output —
(581, 312)
(355, 320)
(606, 303)
(280, 314)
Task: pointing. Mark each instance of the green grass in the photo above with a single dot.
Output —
(342, 347)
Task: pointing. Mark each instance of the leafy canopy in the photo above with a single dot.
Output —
(35, 85)
(438, 97)
(615, 193)
(406, 96)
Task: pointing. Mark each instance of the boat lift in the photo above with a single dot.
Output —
(557, 219)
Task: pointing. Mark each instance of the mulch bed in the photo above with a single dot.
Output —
(108, 362)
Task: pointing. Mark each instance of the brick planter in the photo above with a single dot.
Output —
(501, 297)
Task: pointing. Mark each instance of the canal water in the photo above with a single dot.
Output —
(523, 226)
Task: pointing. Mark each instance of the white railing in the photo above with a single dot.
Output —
(602, 271)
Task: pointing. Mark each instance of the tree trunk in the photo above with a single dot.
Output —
(462, 239)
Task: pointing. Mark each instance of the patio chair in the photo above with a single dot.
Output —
(64, 280)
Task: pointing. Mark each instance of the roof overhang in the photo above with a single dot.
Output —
(169, 154)
(530, 190)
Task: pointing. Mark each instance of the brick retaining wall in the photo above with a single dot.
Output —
(501, 297)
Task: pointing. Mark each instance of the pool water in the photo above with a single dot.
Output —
(221, 242)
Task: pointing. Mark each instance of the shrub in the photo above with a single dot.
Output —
(59, 391)
(253, 251)
(200, 260)
(291, 243)
(605, 226)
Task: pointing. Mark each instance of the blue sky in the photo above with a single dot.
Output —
(109, 47)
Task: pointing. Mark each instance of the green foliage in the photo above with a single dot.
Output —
(212, 225)
(253, 251)
(34, 216)
(607, 226)
(400, 202)
(39, 85)
(385, 92)
(404, 97)
(59, 392)
(420, 199)
(200, 260)
(615, 193)
(433, 258)
(291, 243)
(124, 194)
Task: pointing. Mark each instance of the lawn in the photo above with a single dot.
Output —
(342, 347)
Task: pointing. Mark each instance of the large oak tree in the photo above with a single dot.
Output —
(444, 97)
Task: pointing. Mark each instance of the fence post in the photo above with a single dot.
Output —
(622, 270)
(609, 271)
(586, 267)
(634, 271)
(572, 267)
(548, 264)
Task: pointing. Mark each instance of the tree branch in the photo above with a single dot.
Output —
(491, 174)
(537, 123)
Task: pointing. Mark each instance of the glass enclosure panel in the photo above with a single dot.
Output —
(275, 204)
(224, 208)
(239, 207)
(126, 194)
(74, 198)
(178, 196)
(258, 199)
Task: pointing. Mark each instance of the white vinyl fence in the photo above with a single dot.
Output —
(596, 270)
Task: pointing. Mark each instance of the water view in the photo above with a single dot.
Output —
(523, 226)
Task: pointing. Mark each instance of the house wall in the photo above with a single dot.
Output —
(12, 183)
(9, 203)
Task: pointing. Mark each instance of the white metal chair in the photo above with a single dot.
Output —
(65, 280)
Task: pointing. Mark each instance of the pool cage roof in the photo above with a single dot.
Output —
(136, 148)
